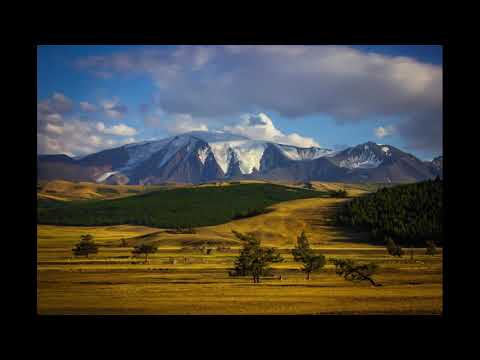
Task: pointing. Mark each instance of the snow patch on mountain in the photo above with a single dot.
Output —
(216, 136)
(221, 152)
(249, 155)
(363, 161)
(176, 144)
(140, 152)
(203, 154)
(297, 153)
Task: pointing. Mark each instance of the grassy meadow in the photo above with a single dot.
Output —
(180, 279)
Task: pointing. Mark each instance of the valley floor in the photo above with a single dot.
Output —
(180, 280)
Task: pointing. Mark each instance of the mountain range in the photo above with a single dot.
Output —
(197, 157)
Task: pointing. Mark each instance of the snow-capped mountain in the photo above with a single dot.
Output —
(204, 156)
(364, 156)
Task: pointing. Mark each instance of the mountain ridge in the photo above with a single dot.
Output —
(199, 156)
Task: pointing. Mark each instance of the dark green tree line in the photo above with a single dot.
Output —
(411, 214)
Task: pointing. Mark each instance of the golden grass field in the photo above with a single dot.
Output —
(181, 280)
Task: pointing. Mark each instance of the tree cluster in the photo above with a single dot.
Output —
(144, 249)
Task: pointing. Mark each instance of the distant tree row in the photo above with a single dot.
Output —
(254, 260)
(412, 214)
(86, 246)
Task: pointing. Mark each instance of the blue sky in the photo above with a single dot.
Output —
(96, 97)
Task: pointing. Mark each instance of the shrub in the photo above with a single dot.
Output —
(144, 249)
(392, 248)
(85, 246)
(431, 248)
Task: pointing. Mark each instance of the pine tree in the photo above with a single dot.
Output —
(85, 246)
(303, 253)
(254, 259)
(355, 272)
(431, 248)
(392, 248)
(144, 249)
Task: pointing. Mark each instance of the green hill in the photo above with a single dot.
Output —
(411, 214)
(183, 207)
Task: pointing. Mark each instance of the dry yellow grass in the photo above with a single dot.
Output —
(66, 190)
(49, 236)
(205, 288)
(112, 282)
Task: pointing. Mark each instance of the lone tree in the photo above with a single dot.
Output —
(85, 246)
(392, 248)
(303, 253)
(355, 272)
(431, 248)
(254, 259)
(144, 249)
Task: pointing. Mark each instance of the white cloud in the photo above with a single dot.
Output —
(57, 104)
(383, 131)
(120, 130)
(87, 107)
(182, 123)
(51, 128)
(261, 127)
(113, 109)
(76, 138)
(175, 123)
(61, 134)
(54, 118)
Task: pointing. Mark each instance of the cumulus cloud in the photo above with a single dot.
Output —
(261, 127)
(383, 131)
(120, 130)
(87, 107)
(182, 123)
(344, 83)
(58, 103)
(174, 123)
(53, 129)
(113, 109)
(75, 137)
(58, 132)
